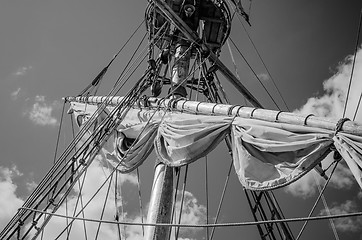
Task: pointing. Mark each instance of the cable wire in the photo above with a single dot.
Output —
(262, 61)
(256, 75)
(215, 225)
(354, 61)
(221, 199)
(316, 202)
(326, 207)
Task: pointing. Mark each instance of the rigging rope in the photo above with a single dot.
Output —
(99, 77)
(43, 184)
(45, 187)
(207, 196)
(173, 213)
(58, 135)
(92, 154)
(182, 199)
(215, 225)
(354, 61)
(140, 199)
(116, 205)
(221, 199)
(80, 187)
(130, 60)
(111, 173)
(122, 207)
(104, 205)
(326, 207)
(262, 61)
(256, 75)
(316, 202)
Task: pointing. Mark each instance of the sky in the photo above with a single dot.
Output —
(51, 49)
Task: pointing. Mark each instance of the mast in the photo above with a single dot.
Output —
(215, 20)
(161, 200)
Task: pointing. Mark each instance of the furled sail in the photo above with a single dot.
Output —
(266, 155)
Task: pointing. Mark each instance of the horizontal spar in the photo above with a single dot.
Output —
(206, 108)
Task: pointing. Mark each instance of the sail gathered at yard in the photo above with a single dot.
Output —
(266, 155)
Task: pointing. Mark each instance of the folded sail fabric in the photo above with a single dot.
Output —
(266, 155)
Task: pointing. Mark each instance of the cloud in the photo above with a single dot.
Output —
(192, 213)
(15, 94)
(331, 105)
(359, 195)
(351, 224)
(22, 71)
(41, 112)
(307, 186)
(263, 77)
(9, 202)
(95, 176)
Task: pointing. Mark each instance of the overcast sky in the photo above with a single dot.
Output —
(53, 48)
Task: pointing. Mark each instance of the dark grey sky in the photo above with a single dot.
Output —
(50, 49)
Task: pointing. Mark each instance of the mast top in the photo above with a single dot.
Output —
(211, 20)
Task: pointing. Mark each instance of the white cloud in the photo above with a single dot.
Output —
(263, 77)
(345, 224)
(41, 112)
(9, 202)
(331, 105)
(30, 186)
(192, 213)
(22, 71)
(359, 195)
(15, 94)
(307, 186)
(94, 178)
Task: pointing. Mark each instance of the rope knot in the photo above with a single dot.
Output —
(339, 124)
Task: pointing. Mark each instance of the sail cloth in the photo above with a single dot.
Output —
(266, 155)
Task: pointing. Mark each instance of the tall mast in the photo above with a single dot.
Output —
(178, 49)
(205, 26)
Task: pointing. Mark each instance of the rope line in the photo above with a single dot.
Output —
(140, 199)
(334, 230)
(262, 61)
(182, 200)
(221, 199)
(102, 73)
(207, 195)
(256, 75)
(353, 64)
(233, 224)
(116, 204)
(317, 200)
(173, 214)
(104, 205)
(111, 173)
(80, 187)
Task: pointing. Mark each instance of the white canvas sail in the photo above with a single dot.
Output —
(266, 155)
